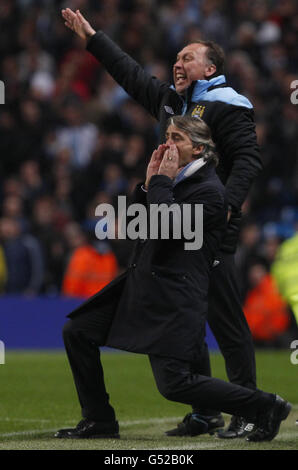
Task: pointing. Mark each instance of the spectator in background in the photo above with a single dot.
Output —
(134, 160)
(12, 187)
(10, 148)
(88, 270)
(113, 182)
(63, 196)
(90, 220)
(108, 95)
(9, 13)
(23, 258)
(32, 61)
(214, 23)
(247, 250)
(77, 135)
(13, 208)
(176, 17)
(46, 228)
(265, 310)
(76, 72)
(284, 269)
(10, 77)
(32, 182)
(32, 129)
(3, 270)
(121, 248)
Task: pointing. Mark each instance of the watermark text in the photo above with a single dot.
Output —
(294, 355)
(2, 92)
(294, 94)
(156, 221)
(2, 353)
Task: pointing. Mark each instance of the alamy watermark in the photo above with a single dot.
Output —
(294, 355)
(2, 93)
(294, 94)
(2, 353)
(155, 221)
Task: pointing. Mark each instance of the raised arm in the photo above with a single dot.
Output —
(147, 90)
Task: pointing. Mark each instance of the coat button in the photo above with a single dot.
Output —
(153, 273)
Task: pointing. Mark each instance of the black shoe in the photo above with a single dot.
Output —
(87, 429)
(238, 427)
(194, 424)
(268, 424)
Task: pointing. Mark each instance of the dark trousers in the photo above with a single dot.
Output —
(229, 326)
(175, 379)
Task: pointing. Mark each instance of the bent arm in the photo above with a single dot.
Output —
(236, 139)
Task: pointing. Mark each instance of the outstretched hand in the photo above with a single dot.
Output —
(77, 23)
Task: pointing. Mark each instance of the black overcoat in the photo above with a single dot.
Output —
(158, 305)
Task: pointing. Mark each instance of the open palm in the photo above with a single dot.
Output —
(155, 162)
(77, 23)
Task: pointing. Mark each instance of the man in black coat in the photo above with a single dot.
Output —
(159, 306)
(201, 90)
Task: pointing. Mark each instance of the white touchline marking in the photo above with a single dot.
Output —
(123, 423)
(197, 445)
(27, 433)
(67, 423)
(169, 419)
(27, 420)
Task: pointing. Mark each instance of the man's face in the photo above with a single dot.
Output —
(184, 145)
(191, 64)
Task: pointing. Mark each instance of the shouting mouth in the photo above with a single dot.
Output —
(180, 78)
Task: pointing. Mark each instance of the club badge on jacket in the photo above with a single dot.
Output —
(198, 111)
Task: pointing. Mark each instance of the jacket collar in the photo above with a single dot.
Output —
(203, 86)
(195, 171)
(199, 88)
(189, 170)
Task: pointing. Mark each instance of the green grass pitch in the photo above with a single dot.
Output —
(37, 396)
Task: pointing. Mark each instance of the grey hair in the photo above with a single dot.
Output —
(199, 134)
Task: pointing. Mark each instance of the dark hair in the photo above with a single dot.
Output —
(215, 55)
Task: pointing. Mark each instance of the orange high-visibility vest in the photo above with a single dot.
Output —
(265, 311)
(88, 271)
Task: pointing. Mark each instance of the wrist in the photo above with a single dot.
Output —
(172, 177)
(89, 34)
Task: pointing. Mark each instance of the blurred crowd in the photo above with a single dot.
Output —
(70, 137)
